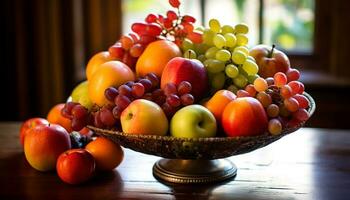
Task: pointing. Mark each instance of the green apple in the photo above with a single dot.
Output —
(80, 95)
(194, 121)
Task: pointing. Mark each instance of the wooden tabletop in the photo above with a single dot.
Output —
(308, 164)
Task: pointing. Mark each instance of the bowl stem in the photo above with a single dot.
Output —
(194, 171)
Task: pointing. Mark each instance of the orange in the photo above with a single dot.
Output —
(156, 55)
(55, 117)
(95, 62)
(111, 73)
(108, 155)
(217, 103)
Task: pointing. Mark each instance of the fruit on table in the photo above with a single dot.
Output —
(183, 69)
(217, 103)
(75, 166)
(55, 117)
(96, 61)
(112, 73)
(144, 117)
(244, 116)
(270, 60)
(80, 95)
(29, 124)
(107, 154)
(43, 144)
(194, 121)
(156, 55)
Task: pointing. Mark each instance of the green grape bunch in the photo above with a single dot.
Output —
(225, 54)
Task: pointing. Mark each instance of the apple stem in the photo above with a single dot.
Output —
(271, 52)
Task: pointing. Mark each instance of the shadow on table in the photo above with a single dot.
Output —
(24, 181)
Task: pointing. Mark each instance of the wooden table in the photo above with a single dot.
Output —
(308, 164)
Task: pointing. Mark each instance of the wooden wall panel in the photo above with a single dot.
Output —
(49, 44)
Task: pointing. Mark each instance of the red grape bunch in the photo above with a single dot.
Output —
(173, 27)
(79, 115)
(170, 99)
(282, 97)
(177, 97)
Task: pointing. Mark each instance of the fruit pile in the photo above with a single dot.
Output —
(168, 77)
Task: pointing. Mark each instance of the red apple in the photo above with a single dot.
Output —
(270, 60)
(181, 69)
(30, 123)
(244, 117)
(75, 166)
(43, 144)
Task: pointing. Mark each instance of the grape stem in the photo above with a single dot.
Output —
(271, 52)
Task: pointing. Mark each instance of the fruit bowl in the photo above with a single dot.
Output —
(195, 160)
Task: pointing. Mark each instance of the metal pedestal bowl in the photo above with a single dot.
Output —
(195, 160)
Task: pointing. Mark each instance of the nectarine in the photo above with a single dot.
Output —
(95, 62)
(112, 73)
(156, 55)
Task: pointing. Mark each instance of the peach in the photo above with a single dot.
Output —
(111, 73)
(43, 145)
(217, 103)
(108, 155)
(55, 117)
(95, 62)
(156, 55)
(244, 116)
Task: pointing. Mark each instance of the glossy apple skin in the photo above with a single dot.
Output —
(269, 66)
(144, 117)
(43, 144)
(244, 117)
(75, 166)
(30, 123)
(182, 69)
(194, 121)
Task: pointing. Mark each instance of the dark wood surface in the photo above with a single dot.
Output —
(308, 164)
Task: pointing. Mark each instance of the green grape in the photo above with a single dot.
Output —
(231, 71)
(242, 28)
(250, 67)
(200, 48)
(233, 88)
(240, 81)
(252, 78)
(241, 71)
(251, 58)
(201, 58)
(190, 54)
(187, 44)
(214, 25)
(200, 28)
(208, 37)
(211, 52)
(223, 55)
(219, 41)
(227, 29)
(218, 81)
(242, 39)
(214, 66)
(244, 49)
(230, 39)
(238, 57)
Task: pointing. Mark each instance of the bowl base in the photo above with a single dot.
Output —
(194, 171)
